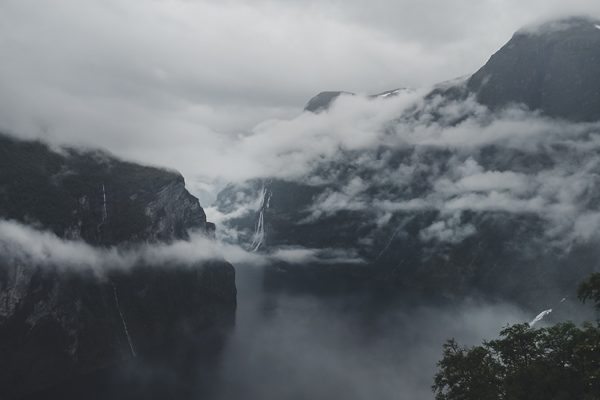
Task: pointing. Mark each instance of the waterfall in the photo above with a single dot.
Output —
(104, 210)
(259, 232)
(389, 242)
(540, 317)
(123, 320)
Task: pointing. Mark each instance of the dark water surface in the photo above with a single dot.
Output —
(298, 346)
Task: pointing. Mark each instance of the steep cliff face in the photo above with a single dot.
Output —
(58, 323)
(92, 196)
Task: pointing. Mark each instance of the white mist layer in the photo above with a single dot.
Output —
(22, 243)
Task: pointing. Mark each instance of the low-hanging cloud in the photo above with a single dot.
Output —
(294, 345)
(514, 161)
(180, 99)
(182, 83)
(25, 244)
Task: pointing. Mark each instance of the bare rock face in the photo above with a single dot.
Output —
(173, 212)
(323, 100)
(552, 68)
(57, 324)
(94, 197)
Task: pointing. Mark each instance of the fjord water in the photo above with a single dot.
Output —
(296, 345)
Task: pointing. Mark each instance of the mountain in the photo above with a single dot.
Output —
(323, 100)
(460, 199)
(551, 68)
(60, 322)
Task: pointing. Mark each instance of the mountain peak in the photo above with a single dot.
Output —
(323, 100)
(550, 67)
(558, 27)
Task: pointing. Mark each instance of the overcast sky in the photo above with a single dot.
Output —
(170, 82)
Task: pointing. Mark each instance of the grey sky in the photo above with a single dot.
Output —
(171, 82)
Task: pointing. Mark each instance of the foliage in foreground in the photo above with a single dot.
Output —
(561, 362)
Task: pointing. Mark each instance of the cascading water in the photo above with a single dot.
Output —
(104, 216)
(540, 317)
(123, 320)
(259, 232)
(104, 210)
(389, 242)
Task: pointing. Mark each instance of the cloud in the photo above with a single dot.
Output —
(181, 83)
(376, 163)
(476, 179)
(302, 255)
(25, 244)
(214, 89)
(334, 347)
(450, 230)
(22, 243)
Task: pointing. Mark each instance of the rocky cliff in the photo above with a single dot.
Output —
(56, 323)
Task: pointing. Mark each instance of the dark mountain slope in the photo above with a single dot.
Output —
(57, 323)
(323, 100)
(552, 68)
(92, 196)
(442, 218)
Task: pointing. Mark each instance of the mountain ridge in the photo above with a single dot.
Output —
(431, 219)
(546, 67)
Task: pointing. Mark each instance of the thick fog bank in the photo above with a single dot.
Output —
(298, 346)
